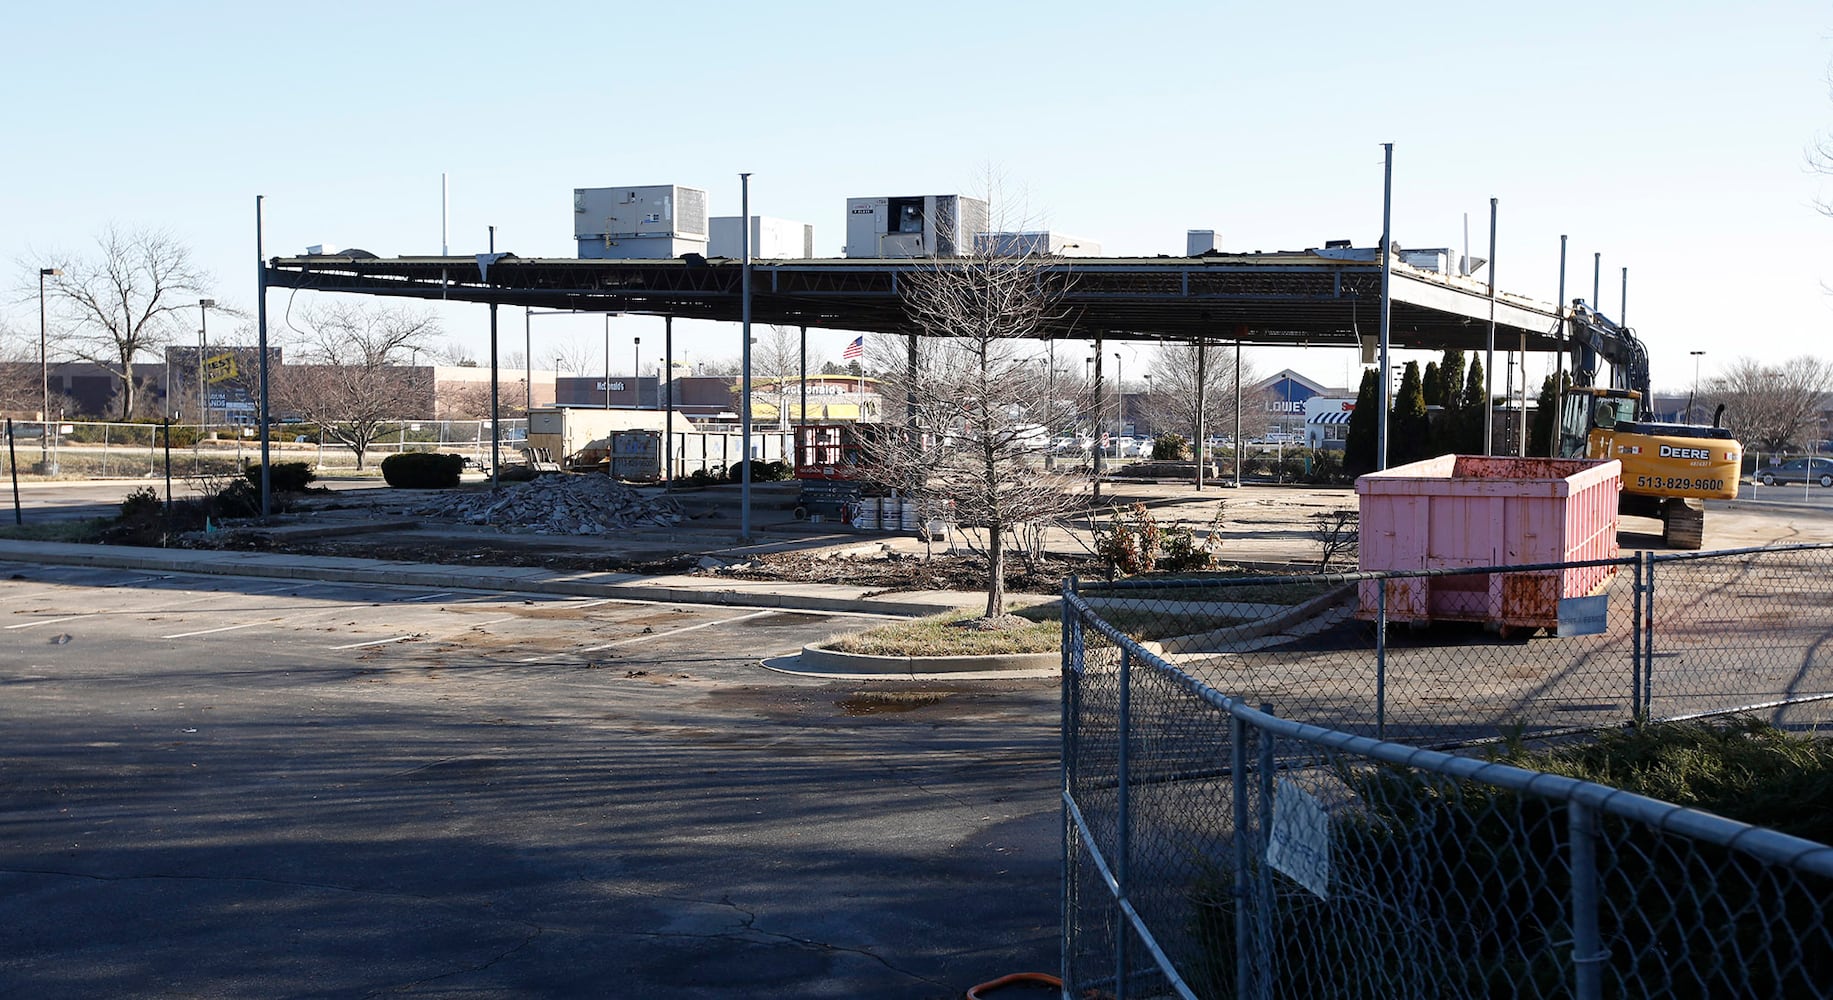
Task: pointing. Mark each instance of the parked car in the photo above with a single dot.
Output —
(1798, 470)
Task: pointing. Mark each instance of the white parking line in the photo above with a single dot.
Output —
(427, 597)
(52, 621)
(652, 636)
(494, 621)
(208, 631)
(373, 642)
(268, 590)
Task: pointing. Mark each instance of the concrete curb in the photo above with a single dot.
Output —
(1218, 640)
(815, 657)
(346, 569)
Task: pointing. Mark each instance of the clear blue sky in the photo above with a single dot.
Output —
(1667, 136)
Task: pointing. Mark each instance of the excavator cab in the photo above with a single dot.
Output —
(1586, 408)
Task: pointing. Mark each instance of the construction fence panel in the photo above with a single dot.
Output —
(113, 450)
(713, 452)
(1745, 630)
(1215, 849)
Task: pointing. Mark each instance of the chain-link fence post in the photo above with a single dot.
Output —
(1637, 710)
(1072, 718)
(1648, 639)
(1264, 903)
(1381, 659)
(1123, 820)
(1237, 772)
(1587, 951)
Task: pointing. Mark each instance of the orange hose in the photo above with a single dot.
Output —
(1017, 977)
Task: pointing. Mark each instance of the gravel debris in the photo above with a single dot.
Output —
(556, 505)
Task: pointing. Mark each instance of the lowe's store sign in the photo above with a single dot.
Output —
(1287, 396)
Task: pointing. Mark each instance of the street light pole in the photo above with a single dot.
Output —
(203, 337)
(636, 372)
(607, 361)
(744, 407)
(44, 372)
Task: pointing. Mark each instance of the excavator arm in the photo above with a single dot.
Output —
(1595, 338)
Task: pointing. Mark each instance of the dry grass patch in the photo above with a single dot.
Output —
(1036, 629)
(83, 530)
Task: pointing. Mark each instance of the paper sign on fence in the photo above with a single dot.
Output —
(1584, 615)
(1299, 842)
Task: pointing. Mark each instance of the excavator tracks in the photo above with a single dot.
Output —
(1684, 523)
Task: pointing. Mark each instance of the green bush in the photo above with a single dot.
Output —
(238, 498)
(1326, 467)
(141, 504)
(762, 472)
(1170, 448)
(1130, 548)
(1183, 553)
(422, 470)
(286, 477)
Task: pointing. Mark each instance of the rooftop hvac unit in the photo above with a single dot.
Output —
(1038, 241)
(771, 239)
(1198, 242)
(649, 222)
(1431, 259)
(935, 225)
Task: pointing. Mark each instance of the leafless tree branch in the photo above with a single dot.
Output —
(348, 377)
(122, 301)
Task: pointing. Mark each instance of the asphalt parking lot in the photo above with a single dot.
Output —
(237, 787)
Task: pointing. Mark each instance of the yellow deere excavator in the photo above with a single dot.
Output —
(1669, 470)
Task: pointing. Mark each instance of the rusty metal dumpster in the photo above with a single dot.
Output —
(1470, 511)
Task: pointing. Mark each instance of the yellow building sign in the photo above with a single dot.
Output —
(219, 369)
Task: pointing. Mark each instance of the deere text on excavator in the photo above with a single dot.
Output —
(1669, 469)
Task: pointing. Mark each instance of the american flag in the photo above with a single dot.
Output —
(854, 349)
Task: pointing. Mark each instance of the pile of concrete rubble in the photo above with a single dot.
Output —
(557, 505)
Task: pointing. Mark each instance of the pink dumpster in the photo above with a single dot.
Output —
(1466, 511)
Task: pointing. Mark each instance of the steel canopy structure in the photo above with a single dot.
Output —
(1302, 298)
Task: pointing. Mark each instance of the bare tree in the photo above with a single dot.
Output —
(1173, 399)
(1773, 407)
(349, 381)
(125, 300)
(471, 400)
(776, 367)
(960, 433)
(721, 366)
(580, 358)
(18, 372)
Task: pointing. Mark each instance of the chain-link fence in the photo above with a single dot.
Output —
(1479, 654)
(1216, 850)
